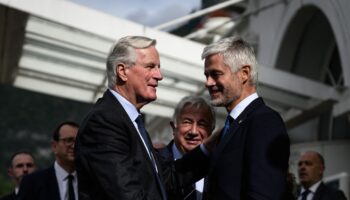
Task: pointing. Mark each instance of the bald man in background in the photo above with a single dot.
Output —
(311, 167)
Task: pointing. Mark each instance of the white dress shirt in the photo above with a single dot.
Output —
(133, 114)
(62, 181)
(312, 192)
(238, 109)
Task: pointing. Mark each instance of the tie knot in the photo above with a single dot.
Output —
(139, 120)
(228, 123)
(306, 192)
(70, 177)
(228, 120)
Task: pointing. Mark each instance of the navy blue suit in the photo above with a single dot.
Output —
(251, 161)
(112, 162)
(40, 185)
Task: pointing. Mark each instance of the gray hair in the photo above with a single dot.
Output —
(124, 52)
(194, 102)
(236, 53)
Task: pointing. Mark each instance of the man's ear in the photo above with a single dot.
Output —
(53, 146)
(245, 73)
(121, 71)
(10, 172)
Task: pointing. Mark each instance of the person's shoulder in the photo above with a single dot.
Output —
(39, 174)
(333, 192)
(166, 152)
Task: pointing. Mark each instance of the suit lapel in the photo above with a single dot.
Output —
(319, 191)
(235, 128)
(112, 100)
(53, 184)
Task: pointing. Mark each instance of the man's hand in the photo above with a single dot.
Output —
(211, 142)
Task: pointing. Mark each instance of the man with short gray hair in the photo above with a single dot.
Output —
(193, 121)
(251, 158)
(115, 158)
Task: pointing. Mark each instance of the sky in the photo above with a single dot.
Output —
(146, 12)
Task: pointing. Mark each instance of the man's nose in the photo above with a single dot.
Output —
(158, 74)
(194, 129)
(209, 82)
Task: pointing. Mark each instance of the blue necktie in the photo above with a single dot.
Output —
(143, 132)
(145, 137)
(227, 125)
(304, 194)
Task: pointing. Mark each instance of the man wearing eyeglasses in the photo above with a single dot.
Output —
(59, 181)
(22, 163)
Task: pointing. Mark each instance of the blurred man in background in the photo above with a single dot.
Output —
(59, 181)
(22, 163)
(311, 167)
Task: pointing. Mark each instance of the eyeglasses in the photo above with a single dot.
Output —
(67, 141)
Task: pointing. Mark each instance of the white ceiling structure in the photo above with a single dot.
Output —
(65, 47)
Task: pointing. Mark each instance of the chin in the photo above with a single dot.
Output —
(217, 102)
(152, 97)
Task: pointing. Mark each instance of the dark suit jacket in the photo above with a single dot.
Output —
(40, 185)
(251, 161)
(325, 192)
(180, 192)
(111, 160)
(11, 196)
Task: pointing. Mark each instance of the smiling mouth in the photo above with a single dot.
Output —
(193, 142)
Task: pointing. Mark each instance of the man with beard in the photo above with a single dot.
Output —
(59, 181)
(251, 158)
(310, 170)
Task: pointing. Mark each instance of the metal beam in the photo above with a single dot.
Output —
(296, 84)
(197, 14)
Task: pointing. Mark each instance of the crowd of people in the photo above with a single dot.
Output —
(110, 154)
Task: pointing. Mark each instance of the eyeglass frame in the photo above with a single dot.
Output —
(67, 140)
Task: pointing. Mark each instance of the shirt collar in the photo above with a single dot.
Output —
(176, 153)
(313, 188)
(238, 109)
(128, 107)
(61, 173)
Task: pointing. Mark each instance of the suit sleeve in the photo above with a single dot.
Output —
(27, 190)
(266, 162)
(106, 158)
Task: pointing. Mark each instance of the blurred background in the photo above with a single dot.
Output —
(52, 66)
